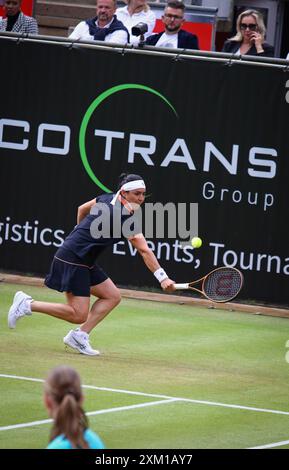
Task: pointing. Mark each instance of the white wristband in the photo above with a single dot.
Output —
(161, 275)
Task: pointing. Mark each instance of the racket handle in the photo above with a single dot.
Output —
(181, 286)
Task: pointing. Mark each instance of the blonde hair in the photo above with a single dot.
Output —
(63, 386)
(259, 21)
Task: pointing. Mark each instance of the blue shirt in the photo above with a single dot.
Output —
(92, 439)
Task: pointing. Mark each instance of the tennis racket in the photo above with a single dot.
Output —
(220, 285)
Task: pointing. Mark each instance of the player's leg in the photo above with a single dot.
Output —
(108, 297)
(75, 281)
(75, 311)
(78, 339)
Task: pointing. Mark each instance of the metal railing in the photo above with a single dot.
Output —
(175, 54)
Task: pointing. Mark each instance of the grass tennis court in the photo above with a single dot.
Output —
(170, 376)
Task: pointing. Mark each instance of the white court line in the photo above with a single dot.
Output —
(270, 446)
(25, 425)
(130, 407)
(188, 400)
(89, 413)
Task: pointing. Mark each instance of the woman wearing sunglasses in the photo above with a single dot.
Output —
(250, 37)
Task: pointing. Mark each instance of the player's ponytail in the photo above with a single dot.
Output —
(64, 388)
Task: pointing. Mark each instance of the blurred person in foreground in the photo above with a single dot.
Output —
(15, 21)
(63, 400)
(174, 36)
(250, 36)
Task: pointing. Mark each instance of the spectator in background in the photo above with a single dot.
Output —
(103, 27)
(63, 399)
(15, 21)
(136, 11)
(174, 36)
(250, 37)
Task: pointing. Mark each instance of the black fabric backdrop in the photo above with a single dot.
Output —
(228, 108)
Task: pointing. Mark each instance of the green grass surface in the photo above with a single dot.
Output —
(159, 349)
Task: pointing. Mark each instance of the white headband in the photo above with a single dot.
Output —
(130, 186)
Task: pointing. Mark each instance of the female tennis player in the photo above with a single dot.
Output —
(75, 272)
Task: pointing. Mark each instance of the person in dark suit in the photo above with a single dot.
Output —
(250, 36)
(174, 36)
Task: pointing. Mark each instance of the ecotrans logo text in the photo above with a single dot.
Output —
(145, 146)
(124, 139)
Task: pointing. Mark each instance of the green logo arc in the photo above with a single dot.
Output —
(85, 121)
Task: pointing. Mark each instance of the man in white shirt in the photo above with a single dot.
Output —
(136, 11)
(104, 27)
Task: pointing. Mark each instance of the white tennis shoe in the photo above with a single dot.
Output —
(21, 306)
(79, 340)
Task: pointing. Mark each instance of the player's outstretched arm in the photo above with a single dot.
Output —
(140, 244)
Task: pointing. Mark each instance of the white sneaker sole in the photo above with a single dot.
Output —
(74, 344)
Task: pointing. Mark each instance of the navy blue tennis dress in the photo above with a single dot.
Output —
(74, 267)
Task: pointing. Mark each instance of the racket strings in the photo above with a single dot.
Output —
(223, 284)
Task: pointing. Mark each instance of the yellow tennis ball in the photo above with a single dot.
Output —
(196, 242)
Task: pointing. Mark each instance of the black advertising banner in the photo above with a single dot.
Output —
(203, 132)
